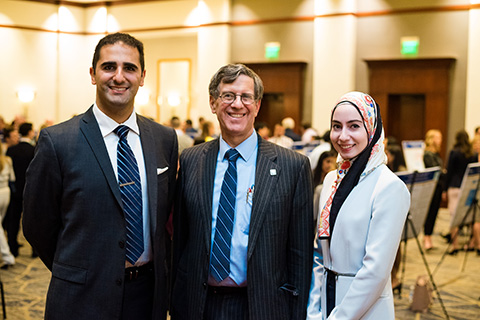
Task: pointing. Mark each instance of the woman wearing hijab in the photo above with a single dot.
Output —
(363, 210)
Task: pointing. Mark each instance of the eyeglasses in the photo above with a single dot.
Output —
(230, 97)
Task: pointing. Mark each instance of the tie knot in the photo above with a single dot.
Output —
(232, 155)
(121, 131)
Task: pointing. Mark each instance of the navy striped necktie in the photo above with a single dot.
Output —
(220, 261)
(131, 190)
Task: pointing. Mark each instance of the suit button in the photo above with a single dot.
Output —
(121, 244)
(118, 282)
(204, 285)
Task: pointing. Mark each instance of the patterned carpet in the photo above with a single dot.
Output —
(25, 284)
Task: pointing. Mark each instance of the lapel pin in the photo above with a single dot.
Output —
(273, 172)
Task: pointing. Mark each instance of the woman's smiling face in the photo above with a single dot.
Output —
(348, 135)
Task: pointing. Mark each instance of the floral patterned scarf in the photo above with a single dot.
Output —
(351, 171)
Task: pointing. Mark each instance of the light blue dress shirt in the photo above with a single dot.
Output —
(246, 165)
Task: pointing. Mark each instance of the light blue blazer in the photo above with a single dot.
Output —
(363, 246)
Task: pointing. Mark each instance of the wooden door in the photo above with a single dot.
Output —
(413, 95)
(283, 96)
(406, 116)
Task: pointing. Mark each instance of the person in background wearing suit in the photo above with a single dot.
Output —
(184, 140)
(98, 195)
(289, 124)
(21, 155)
(242, 224)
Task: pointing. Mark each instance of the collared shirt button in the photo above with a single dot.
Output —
(118, 282)
(121, 244)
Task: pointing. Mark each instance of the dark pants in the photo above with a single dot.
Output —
(12, 222)
(433, 210)
(226, 304)
(138, 297)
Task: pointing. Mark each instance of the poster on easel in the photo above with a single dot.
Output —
(424, 183)
(464, 213)
(413, 154)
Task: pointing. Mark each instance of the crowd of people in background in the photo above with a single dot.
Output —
(18, 140)
(283, 134)
(19, 137)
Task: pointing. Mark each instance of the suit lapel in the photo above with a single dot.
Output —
(93, 135)
(149, 155)
(266, 177)
(208, 161)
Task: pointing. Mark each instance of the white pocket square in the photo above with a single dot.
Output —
(161, 170)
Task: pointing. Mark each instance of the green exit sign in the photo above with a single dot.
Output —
(410, 45)
(272, 50)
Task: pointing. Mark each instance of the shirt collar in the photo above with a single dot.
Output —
(27, 140)
(107, 124)
(246, 148)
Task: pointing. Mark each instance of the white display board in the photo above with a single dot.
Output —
(413, 153)
(424, 183)
(468, 192)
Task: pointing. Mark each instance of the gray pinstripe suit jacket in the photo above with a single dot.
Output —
(280, 239)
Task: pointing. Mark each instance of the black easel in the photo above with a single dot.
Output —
(409, 223)
(473, 207)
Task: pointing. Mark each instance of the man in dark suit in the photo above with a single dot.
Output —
(21, 154)
(260, 268)
(85, 227)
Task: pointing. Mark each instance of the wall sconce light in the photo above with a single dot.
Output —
(174, 99)
(26, 95)
(143, 96)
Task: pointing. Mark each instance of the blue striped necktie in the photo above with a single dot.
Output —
(220, 261)
(131, 189)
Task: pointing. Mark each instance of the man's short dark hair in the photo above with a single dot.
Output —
(7, 131)
(25, 128)
(175, 122)
(260, 125)
(229, 73)
(119, 37)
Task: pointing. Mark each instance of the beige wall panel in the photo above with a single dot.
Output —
(441, 34)
(472, 112)
(268, 9)
(214, 51)
(29, 61)
(170, 48)
(75, 93)
(296, 40)
(156, 14)
(27, 13)
(334, 69)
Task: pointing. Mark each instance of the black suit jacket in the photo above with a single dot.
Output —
(279, 256)
(74, 220)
